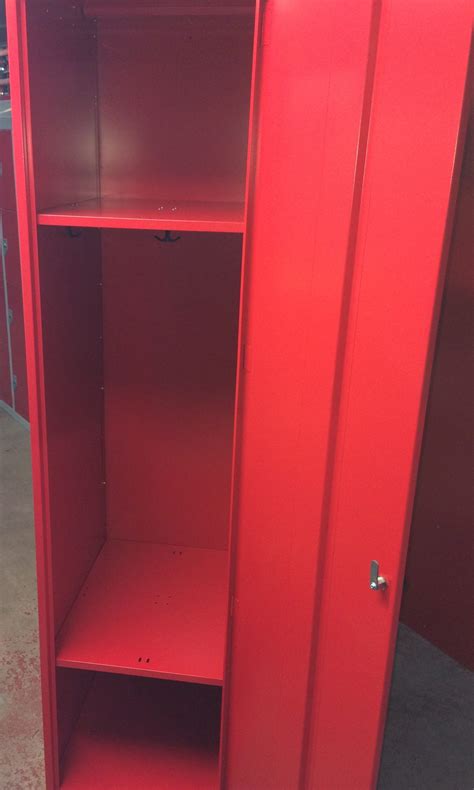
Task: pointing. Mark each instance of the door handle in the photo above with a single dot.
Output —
(376, 582)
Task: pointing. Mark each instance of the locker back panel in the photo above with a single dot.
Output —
(170, 333)
(174, 106)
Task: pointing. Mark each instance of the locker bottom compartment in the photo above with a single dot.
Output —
(144, 733)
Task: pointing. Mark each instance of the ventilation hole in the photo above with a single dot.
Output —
(139, 660)
(148, 661)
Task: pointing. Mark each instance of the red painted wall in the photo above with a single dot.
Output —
(439, 594)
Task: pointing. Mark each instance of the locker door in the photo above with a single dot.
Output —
(316, 65)
(349, 219)
(416, 137)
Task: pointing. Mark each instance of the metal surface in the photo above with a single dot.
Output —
(148, 735)
(152, 610)
(304, 196)
(19, 80)
(62, 289)
(339, 295)
(197, 73)
(376, 582)
(439, 587)
(6, 368)
(15, 303)
(149, 214)
(170, 337)
(403, 235)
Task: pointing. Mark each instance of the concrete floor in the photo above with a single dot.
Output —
(21, 752)
(429, 734)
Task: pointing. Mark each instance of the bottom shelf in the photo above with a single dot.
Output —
(145, 733)
(149, 609)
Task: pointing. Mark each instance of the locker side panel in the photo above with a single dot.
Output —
(15, 301)
(310, 115)
(439, 589)
(62, 55)
(62, 315)
(71, 307)
(5, 372)
(7, 203)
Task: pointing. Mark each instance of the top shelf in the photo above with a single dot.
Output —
(137, 214)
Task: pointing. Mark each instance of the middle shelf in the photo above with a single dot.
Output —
(146, 214)
(150, 609)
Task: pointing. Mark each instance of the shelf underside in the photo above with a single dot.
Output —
(138, 214)
(150, 609)
(147, 734)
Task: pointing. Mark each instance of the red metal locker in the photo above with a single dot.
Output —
(13, 383)
(157, 147)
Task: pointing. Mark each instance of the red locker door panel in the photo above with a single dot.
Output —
(403, 234)
(315, 60)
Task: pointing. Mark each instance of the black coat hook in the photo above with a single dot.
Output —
(74, 233)
(167, 237)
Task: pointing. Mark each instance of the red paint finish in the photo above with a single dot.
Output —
(72, 689)
(298, 237)
(149, 214)
(71, 331)
(7, 178)
(62, 54)
(182, 134)
(19, 82)
(146, 734)
(13, 281)
(149, 8)
(15, 302)
(132, 358)
(170, 335)
(146, 609)
(439, 584)
(414, 128)
(5, 373)
(175, 371)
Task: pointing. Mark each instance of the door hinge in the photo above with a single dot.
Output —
(261, 33)
(246, 357)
